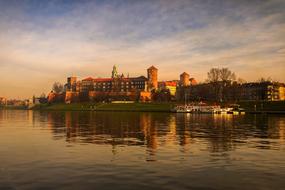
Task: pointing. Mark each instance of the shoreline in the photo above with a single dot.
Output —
(112, 107)
(123, 107)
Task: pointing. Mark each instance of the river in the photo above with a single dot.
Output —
(125, 150)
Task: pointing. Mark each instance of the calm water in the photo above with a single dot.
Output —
(85, 150)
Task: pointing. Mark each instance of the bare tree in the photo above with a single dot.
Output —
(214, 75)
(57, 87)
(226, 75)
(213, 79)
(221, 80)
(262, 79)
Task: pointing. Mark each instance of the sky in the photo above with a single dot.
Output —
(46, 41)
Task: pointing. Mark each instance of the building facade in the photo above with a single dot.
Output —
(184, 79)
(267, 91)
(71, 84)
(117, 87)
(233, 92)
(168, 85)
(3, 101)
(152, 74)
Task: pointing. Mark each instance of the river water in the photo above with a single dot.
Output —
(124, 150)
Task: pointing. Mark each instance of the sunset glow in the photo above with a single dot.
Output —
(46, 41)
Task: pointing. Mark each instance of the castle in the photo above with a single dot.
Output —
(117, 87)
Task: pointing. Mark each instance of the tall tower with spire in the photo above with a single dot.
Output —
(114, 72)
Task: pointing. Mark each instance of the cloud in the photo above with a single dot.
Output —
(87, 38)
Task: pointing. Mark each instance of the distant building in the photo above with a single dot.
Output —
(120, 84)
(39, 100)
(184, 86)
(268, 91)
(254, 91)
(169, 85)
(193, 81)
(152, 78)
(58, 97)
(184, 79)
(15, 102)
(3, 101)
(118, 87)
(71, 84)
(87, 84)
(282, 92)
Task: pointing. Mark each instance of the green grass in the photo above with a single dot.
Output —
(263, 105)
(10, 107)
(135, 107)
(151, 107)
(62, 106)
(249, 106)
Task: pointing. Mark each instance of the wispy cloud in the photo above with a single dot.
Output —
(46, 41)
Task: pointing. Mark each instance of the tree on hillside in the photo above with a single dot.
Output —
(57, 87)
(262, 79)
(227, 75)
(220, 80)
(214, 75)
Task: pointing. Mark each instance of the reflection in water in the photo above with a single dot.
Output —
(221, 132)
(103, 150)
(152, 130)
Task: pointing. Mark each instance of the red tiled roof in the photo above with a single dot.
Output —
(111, 79)
(88, 78)
(102, 79)
(168, 83)
(138, 78)
(152, 67)
(125, 79)
(193, 81)
(184, 73)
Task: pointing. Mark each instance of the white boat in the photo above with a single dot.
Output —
(197, 109)
(203, 108)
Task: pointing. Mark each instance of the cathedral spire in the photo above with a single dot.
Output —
(114, 72)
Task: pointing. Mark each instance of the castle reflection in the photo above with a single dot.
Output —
(215, 133)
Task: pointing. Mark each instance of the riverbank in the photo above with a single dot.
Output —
(270, 107)
(139, 107)
(9, 107)
(255, 107)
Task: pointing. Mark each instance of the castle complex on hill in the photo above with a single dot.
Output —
(118, 87)
(124, 88)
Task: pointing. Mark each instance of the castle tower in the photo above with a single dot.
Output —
(152, 78)
(185, 79)
(71, 84)
(114, 72)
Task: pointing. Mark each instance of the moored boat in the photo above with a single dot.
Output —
(196, 109)
(203, 108)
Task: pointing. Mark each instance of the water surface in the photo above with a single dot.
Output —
(105, 150)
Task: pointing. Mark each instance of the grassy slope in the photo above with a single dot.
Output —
(13, 107)
(263, 105)
(108, 107)
(135, 107)
(275, 106)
